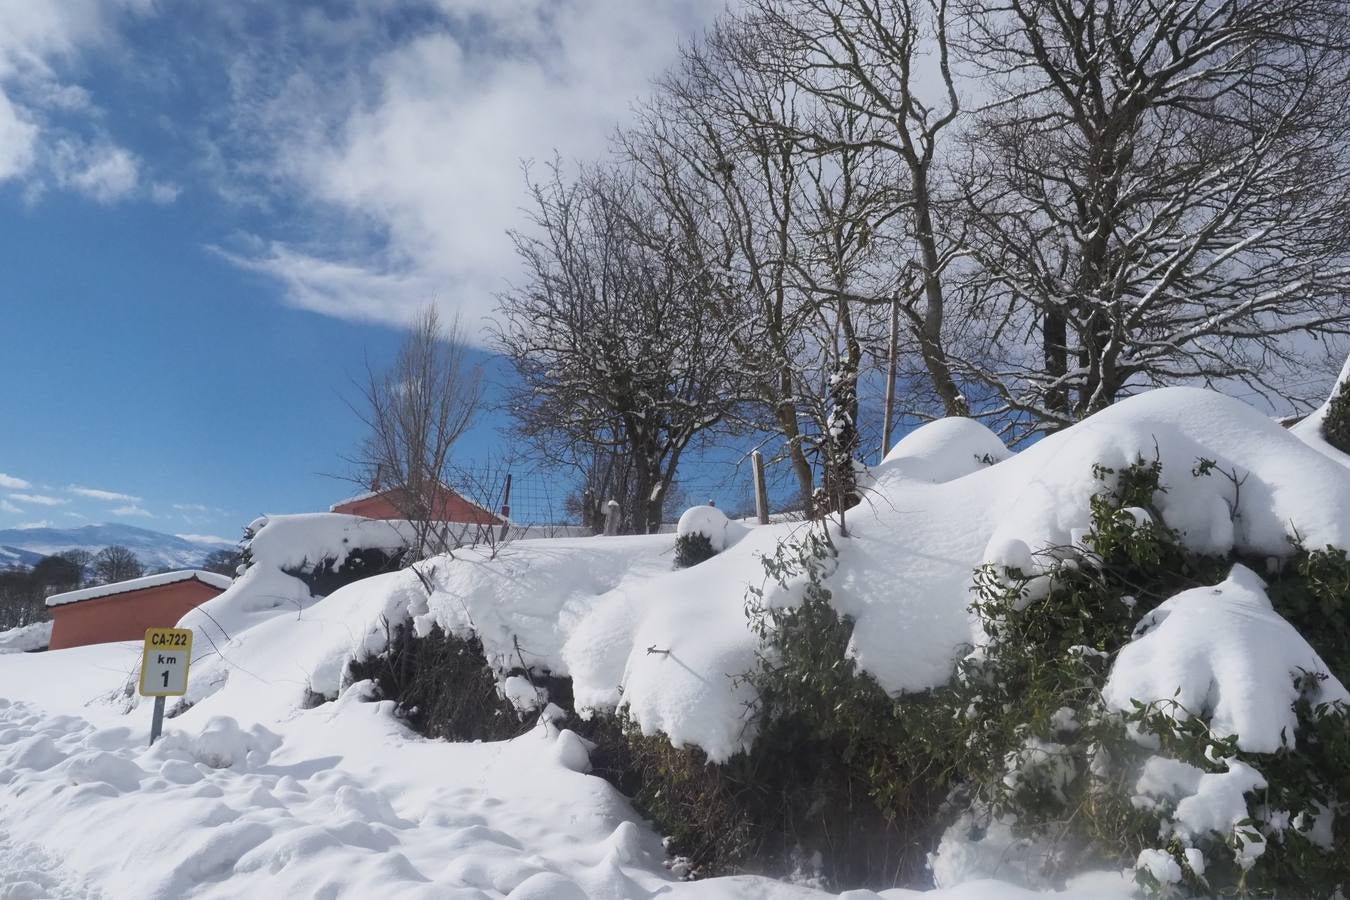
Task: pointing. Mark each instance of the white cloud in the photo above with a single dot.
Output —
(205, 538)
(28, 526)
(132, 509)
(341, 289)
(50, 128)
(12, 483)
(100, 494)
(6, 506)
(190, 507)
(18, 140)
(164, 192)
(39, 499)
(426, 163)
(103, 172)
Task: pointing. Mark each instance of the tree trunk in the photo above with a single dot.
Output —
(892, 363)
(1055, 351)
(786, 414)
(930, 334)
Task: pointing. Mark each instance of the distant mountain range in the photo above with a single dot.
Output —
(25, 546)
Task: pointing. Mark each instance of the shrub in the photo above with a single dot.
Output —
(327, 575)
(832, 792)
(692, 549)
(1336, 425)
(443, 685)
(1024, 726)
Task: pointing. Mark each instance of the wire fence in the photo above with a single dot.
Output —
(550, 504)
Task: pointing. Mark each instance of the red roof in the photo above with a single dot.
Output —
(449, 506)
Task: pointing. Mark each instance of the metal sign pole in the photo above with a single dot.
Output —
(157, 724)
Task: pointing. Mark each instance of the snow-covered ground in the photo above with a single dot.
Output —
(252, 794)
(336, 801)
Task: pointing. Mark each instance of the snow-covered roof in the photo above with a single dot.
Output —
(138, 584)
(365, 495)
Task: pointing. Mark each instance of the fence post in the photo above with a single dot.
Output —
(761, 492)
(506, 507)
(612, 517)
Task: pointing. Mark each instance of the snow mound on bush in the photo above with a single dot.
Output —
(713, 524)
(1224, 654)
(1202, 803)
(904, 573)
(224, 624)
(944, 450)
(294, 542)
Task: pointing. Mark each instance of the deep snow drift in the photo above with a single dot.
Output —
(251, 792)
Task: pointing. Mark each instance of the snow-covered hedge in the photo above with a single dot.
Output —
(1068, 546)
(1135, 704)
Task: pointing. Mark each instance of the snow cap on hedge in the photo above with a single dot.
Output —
(708, 521)
(1223, 653)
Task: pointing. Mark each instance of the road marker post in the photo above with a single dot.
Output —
(164, 669)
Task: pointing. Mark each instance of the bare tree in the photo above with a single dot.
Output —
(80, 558)
(859, 62)
(223, 562)
(1158, 193)
(736, 187)
(611, 334)
(115, 563)
(414, 413)
(802, 235)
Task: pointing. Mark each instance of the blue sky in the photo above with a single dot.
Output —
(212, 214)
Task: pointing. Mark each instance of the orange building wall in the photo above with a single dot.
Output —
(450, 507)
(124, 617)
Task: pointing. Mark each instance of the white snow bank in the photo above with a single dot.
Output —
(35, 636)
(1309, 430)
(139, 584)
(338, 801)
(944, 450)
(1224, 654)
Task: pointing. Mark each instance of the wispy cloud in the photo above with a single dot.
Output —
(39, 499)
(6, 506)
(100, 494)
(132, 509)
(28, 526)
(490, 84)
(51, 130)
(164, 192)
(191, 507)
(206, 538)
(9, 482)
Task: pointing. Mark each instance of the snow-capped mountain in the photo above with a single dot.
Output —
(25, 546)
